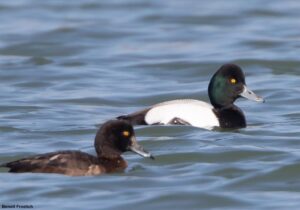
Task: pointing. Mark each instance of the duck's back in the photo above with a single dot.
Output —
(186, 111)
(72, 163)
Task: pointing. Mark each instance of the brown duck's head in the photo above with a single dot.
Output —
(115, 137)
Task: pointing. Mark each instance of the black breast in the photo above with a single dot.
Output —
(231, 117)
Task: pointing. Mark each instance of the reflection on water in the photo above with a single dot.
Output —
(67, 67)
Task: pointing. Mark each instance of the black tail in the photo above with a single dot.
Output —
(7, 165)
(137, 118)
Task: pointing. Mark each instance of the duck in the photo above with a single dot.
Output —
(112, 139)
(226, 85)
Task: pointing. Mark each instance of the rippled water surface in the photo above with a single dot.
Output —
(68, 66)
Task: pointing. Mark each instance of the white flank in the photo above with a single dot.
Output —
(54, 157)
(197, 113)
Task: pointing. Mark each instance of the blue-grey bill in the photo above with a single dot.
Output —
(249, 94)
(138, 149)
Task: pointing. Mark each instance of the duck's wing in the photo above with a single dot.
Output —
(73, 163)
(178, 112)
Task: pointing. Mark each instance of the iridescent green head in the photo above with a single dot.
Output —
(228, 84)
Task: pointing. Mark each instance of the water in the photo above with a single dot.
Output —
(68, 66)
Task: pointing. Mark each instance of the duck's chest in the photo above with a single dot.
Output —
(231, 118)
(113, 164)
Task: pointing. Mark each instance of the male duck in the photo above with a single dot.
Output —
(112, 139)
(226, 85)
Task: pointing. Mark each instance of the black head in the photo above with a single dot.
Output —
(115, 137)
(228, 84)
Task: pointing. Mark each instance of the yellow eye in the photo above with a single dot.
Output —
(126, 133)
(233, 81)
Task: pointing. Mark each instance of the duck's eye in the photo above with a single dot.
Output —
(233, 81)
(126, 133)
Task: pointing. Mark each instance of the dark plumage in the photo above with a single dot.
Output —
(112, 139)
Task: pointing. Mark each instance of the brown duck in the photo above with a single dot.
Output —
(112, 139)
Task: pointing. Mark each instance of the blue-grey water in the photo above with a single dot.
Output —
(68, 66)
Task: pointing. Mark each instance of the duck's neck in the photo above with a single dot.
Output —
(113, 163)
(230, 117)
